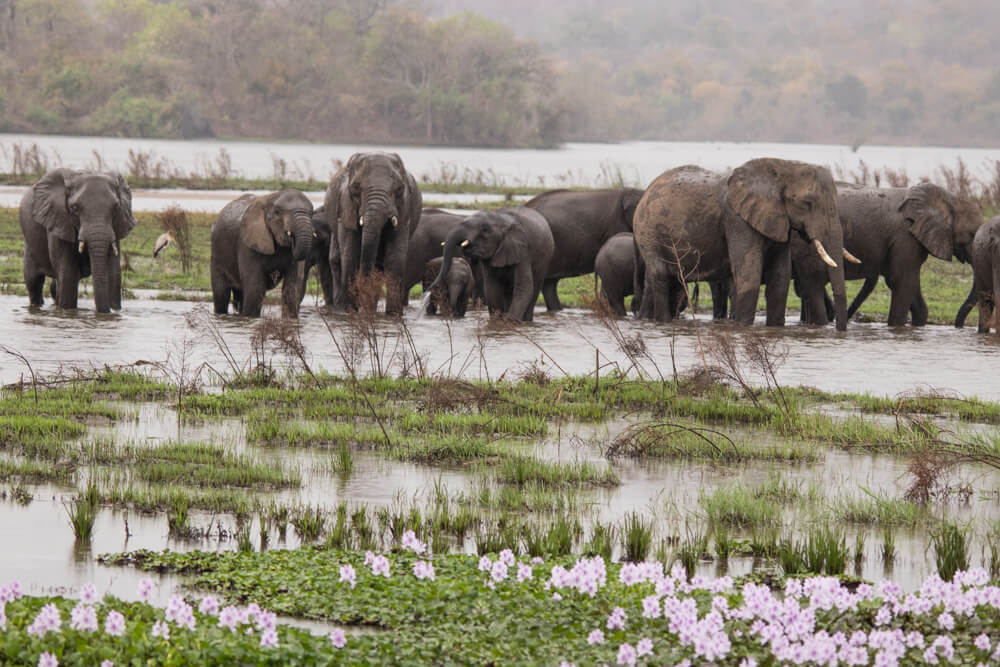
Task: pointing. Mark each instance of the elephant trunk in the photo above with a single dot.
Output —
(302, 235)
(452, 243)
(379, 209)
(827, 238)
(98, 240)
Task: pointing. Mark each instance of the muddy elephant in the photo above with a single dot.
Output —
(258, 242)
(614, 266)
(512, 248)
(694, 224)
(374, 206)
(890, 231)
(453, 298)
(63, 215)
(319, 256)
(985, 291)
(581, 222)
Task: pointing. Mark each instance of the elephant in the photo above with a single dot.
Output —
(581, 222)
(65, 213)
(319, 256)
(453, 300)
(693, 224)
(614, 266)
(512, 247)
(257, 242)
(374, 205)
(985, 277)
(426, 243)
(890, 231)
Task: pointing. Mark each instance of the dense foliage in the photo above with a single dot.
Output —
(532, 74)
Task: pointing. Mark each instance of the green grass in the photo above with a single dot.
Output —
(877, 509)
(737, 506)
(522, 470)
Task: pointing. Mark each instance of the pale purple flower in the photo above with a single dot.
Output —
(229, 617)
(161, 629)
(411, 542)
(266, 620)
(180, 612)
(209, 606)
(651, 606)
(380, 566)
(88, 594)
(114, 624)
(644, 647)
(748, 662)
(423, 570)
(47, 660)
(3, 616)
(983, 642)
(595, 637)
(524, 572)
(556, 597)
(946, 621)
(347, 574)
(83, 617)
(626, 655)
(506, 557)
(145, 589)
(499, 571)
(47, 620)
(269, 639)
(537, 560)
(338, 638)
(485, 564)
(107, 663)
(566, 663)
(616, 621)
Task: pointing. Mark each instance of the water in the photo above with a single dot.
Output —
(573, 164)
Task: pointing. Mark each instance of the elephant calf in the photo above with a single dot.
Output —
(452, 298)
(257, 242)
(615, 267)
(985, 277)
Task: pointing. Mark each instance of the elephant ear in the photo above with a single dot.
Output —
(413, 203)
(254, 231)
(754, 194)
(49, 206)
(630, 200)
(123, 220)
(513, 247)
(926, 206)
(347, 211)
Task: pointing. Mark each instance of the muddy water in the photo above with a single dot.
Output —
(868, 357)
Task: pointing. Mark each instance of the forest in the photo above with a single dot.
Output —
(514, 74)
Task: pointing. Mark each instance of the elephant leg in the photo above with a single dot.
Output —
(290, 297)
(304, 281)
(966, 306)
(253, 290)
(459, 302)
(326, 281)
(35, 282)
(659, 283)
(220, 299)
(69, 284)
(720, 299)
(350, 252)
(115, 286)
(899, 305)
(551, 294)
(866, 289)
(614, 298)
(493, 293)
(678, 297)
(776, 278)
(918, 310)
(748, 269)
(829, 307)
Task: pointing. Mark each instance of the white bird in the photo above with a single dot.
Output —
(166, 238)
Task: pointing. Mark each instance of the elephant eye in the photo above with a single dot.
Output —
(74, 209)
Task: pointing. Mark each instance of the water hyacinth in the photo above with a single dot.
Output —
(88, 594)
(209, 605)
(83, 618)
(47, 660)
(47, 620)
(144, 589)
(423, 570)
(411, 542)
(338, 638)
(114, 623)
(379, 564)
(595, 637)
(347, 575)
(162, 630)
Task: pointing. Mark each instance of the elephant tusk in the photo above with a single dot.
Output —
(361, 221)
(80, 249)
(395, 221)
(823, 254)
(851, 258)
(288, 233)
(315, 235)
(114, 250)
(465, 243)
(442, 244)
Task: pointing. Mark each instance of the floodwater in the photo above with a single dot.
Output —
(584, 164)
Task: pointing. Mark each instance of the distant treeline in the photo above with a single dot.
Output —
(382, 71)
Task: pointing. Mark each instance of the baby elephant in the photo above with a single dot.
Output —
(985, 277)
(615, 266)
(257, 242)
(459, 288)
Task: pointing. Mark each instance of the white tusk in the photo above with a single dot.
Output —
(823, 254)
(361, 221)
(81, 247)
(442, 244)
(465, 243)
(395, 221)
(315, 235)
(851, 258)
(114, 249)
(288, 233)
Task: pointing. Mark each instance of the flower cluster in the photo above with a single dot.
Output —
(588, 576)
(423, 569)
(180, 612)
(348, 575)
(411, 542)
(379, 564)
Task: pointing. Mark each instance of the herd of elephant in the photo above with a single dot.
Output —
(769, 221)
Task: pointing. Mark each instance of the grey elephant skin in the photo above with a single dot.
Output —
(985, 291)
(512, 248)
(581, 223)
(258, 242)
(694, 224)
(451, 298)
(374, 206)
(73, 223)
(614, 267)
(891, 231)
(319, 256)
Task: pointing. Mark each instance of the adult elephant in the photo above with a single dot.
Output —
(64, 214)
(614, 266)
(581, 222)
(891, 231)
(258, 242)
(374, 205)
(453, 299)
(985, 277)
(513, 248)
(693, 224)
(319, 256)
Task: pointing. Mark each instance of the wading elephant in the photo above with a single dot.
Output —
(453, 298)
(373, 204)
(426, 243)
(694, 224)
(581, 222)
(891, 231)
(319, 256)
(615, 267)
(258, 242)
(64, 214)
(985, 277)
(512, 247)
